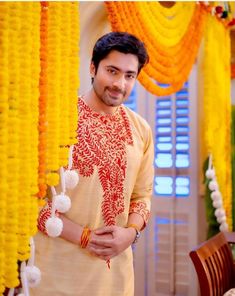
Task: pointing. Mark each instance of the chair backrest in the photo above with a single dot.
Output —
(213, 262)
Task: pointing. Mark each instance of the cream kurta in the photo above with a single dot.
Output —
(114, 159)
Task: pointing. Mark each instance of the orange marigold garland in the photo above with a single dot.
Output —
(170, 61)
(22, 129)
(42, 100)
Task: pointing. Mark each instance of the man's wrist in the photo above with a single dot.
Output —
(136, 230)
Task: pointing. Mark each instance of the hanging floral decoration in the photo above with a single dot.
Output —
(38, 87)
(19, 47)
(58, 89)
(216, 197)
(216, 106)
(171, 35)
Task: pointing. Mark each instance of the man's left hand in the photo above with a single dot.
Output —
(105, 248)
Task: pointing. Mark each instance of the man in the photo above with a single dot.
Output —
(111, 203)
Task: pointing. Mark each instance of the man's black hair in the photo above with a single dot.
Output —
(123, 42)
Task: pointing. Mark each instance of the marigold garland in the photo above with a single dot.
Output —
(172, 53)
(13, 156)
(217, 106)
(28, 149)
(73, 70)
(62, 64)
(4, 110)
(42, 101)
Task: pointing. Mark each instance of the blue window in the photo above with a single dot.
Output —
(172, 143)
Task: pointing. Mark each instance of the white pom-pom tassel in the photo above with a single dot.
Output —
(221, 219)
(210, 173)
(62, 203)
(33, 275)
(213, 185)
(217, 203)
(54, 226)
(216, 195)
(223, 227)
(219, 212)
(71, 179)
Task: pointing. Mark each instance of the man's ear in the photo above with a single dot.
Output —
(92, 69)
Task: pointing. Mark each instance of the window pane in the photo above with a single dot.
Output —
(182, 186)
(163, 186)
(164, 160)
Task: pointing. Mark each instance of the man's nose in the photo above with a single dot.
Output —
(119, 82)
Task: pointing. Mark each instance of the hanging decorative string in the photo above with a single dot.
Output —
(215, 195)
(28, 124)
(35, 43)
(60, 85)
(42, 125)
(216, 102)
(19, 46)
(13, 156)
(171, 35)
(73, 72)
(4, 109)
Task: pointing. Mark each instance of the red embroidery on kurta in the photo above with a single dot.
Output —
(102, 141)
(140, 207)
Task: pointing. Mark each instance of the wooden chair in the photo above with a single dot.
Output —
(214, 264)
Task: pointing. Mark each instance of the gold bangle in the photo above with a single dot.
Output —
(85, 237)
(135, 226)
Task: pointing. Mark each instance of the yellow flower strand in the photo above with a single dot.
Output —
(19, 88)
(61, 109)
(73, 78)
(53, 88)
(4, 108)
(217, 106)
(35, 73)
(25, 120)
(64, 82)
(11, 226)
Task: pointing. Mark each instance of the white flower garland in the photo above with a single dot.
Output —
(216, 197)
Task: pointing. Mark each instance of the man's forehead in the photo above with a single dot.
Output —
(125, 62)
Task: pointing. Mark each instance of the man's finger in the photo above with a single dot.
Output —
(96, 246)
(101, 242)
(101, 252)
(106, 229)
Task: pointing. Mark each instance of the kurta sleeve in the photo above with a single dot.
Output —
(142, 192)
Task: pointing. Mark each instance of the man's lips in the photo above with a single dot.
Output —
(115, 93)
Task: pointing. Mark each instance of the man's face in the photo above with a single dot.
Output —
(115, 77)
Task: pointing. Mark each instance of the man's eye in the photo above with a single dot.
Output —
(130, 76)
(112, 71)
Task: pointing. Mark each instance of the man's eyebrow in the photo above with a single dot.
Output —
(118, 69)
